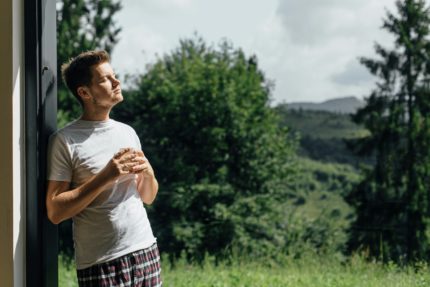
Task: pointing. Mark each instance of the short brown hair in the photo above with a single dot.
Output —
(77, 71)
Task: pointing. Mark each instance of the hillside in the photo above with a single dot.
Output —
(320, 124)
(327, 171)
(346, 105)
(323, 134)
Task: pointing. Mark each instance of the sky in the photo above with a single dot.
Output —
(308, 48)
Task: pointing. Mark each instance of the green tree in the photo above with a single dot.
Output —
(393, 201)
(82, 25)
(204, 120)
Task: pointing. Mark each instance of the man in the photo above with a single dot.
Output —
(99, 177)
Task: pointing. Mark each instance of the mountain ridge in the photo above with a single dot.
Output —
(343, 105)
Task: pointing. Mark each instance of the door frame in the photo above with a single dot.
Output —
(40, 121)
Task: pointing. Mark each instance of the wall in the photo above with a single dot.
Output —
(12, 193)
(18, 144)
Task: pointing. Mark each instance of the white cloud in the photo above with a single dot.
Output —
(308, 47)
(354, 74)
(310, 22)
(137, 47)
(177, 3)
(323, 40)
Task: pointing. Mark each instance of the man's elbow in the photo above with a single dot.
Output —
(54, 220)
(148, 201)
(53, 216)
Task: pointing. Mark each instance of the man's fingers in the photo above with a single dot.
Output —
(133, 159)
(130, 164)
(139, 159)
(128, 167)
(139, 152)
(127, 158)
(139, 168)
(121, 152)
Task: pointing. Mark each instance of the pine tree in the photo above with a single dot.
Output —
(392, 201)
(82, 25)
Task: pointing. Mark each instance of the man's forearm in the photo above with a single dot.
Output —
(148, 188)
(64, 205)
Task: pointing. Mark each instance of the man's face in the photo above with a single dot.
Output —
(105, 89)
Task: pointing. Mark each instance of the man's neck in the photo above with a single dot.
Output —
(95, 115)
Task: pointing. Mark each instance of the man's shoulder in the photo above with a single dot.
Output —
(67, 127)
(123, 125)
(69, 133)
(65, 130)
(76, 129)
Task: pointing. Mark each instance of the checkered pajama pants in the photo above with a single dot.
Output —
(137, 269)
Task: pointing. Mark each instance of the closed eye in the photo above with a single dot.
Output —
(102, 79)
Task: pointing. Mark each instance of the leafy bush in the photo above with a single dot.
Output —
(204, 120)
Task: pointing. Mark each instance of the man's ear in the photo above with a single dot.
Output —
(83, 93)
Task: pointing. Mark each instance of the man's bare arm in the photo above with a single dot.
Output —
(147, 184)
(148, 188)
(63, 203)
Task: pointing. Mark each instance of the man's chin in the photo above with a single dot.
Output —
(119, 98)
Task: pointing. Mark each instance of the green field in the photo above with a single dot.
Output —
(313, 271)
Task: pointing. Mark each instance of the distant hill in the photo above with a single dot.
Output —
(347, 105)
(320, 124)
(323, 134)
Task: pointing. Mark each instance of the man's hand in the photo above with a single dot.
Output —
(147, 184)
(122, 162)
(141, 165)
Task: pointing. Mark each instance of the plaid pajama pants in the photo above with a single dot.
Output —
(137, 269)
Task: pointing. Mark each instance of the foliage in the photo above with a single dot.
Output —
(320, 124)
(66, 271)
(324, 136)
(393, 200)
(330, 150)
(82, 25)
(203, 117)
(318, 218)
(306, 271)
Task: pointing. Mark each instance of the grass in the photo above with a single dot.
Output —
(306, 272)
(66, 272)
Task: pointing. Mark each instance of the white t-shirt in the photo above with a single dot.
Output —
(115, 223)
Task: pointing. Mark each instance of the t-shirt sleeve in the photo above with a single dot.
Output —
(137, 140)
(59, 159)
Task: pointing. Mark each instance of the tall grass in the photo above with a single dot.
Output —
(307, 271)
(66, 272)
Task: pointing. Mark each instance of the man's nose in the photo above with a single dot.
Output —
(115, 82)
